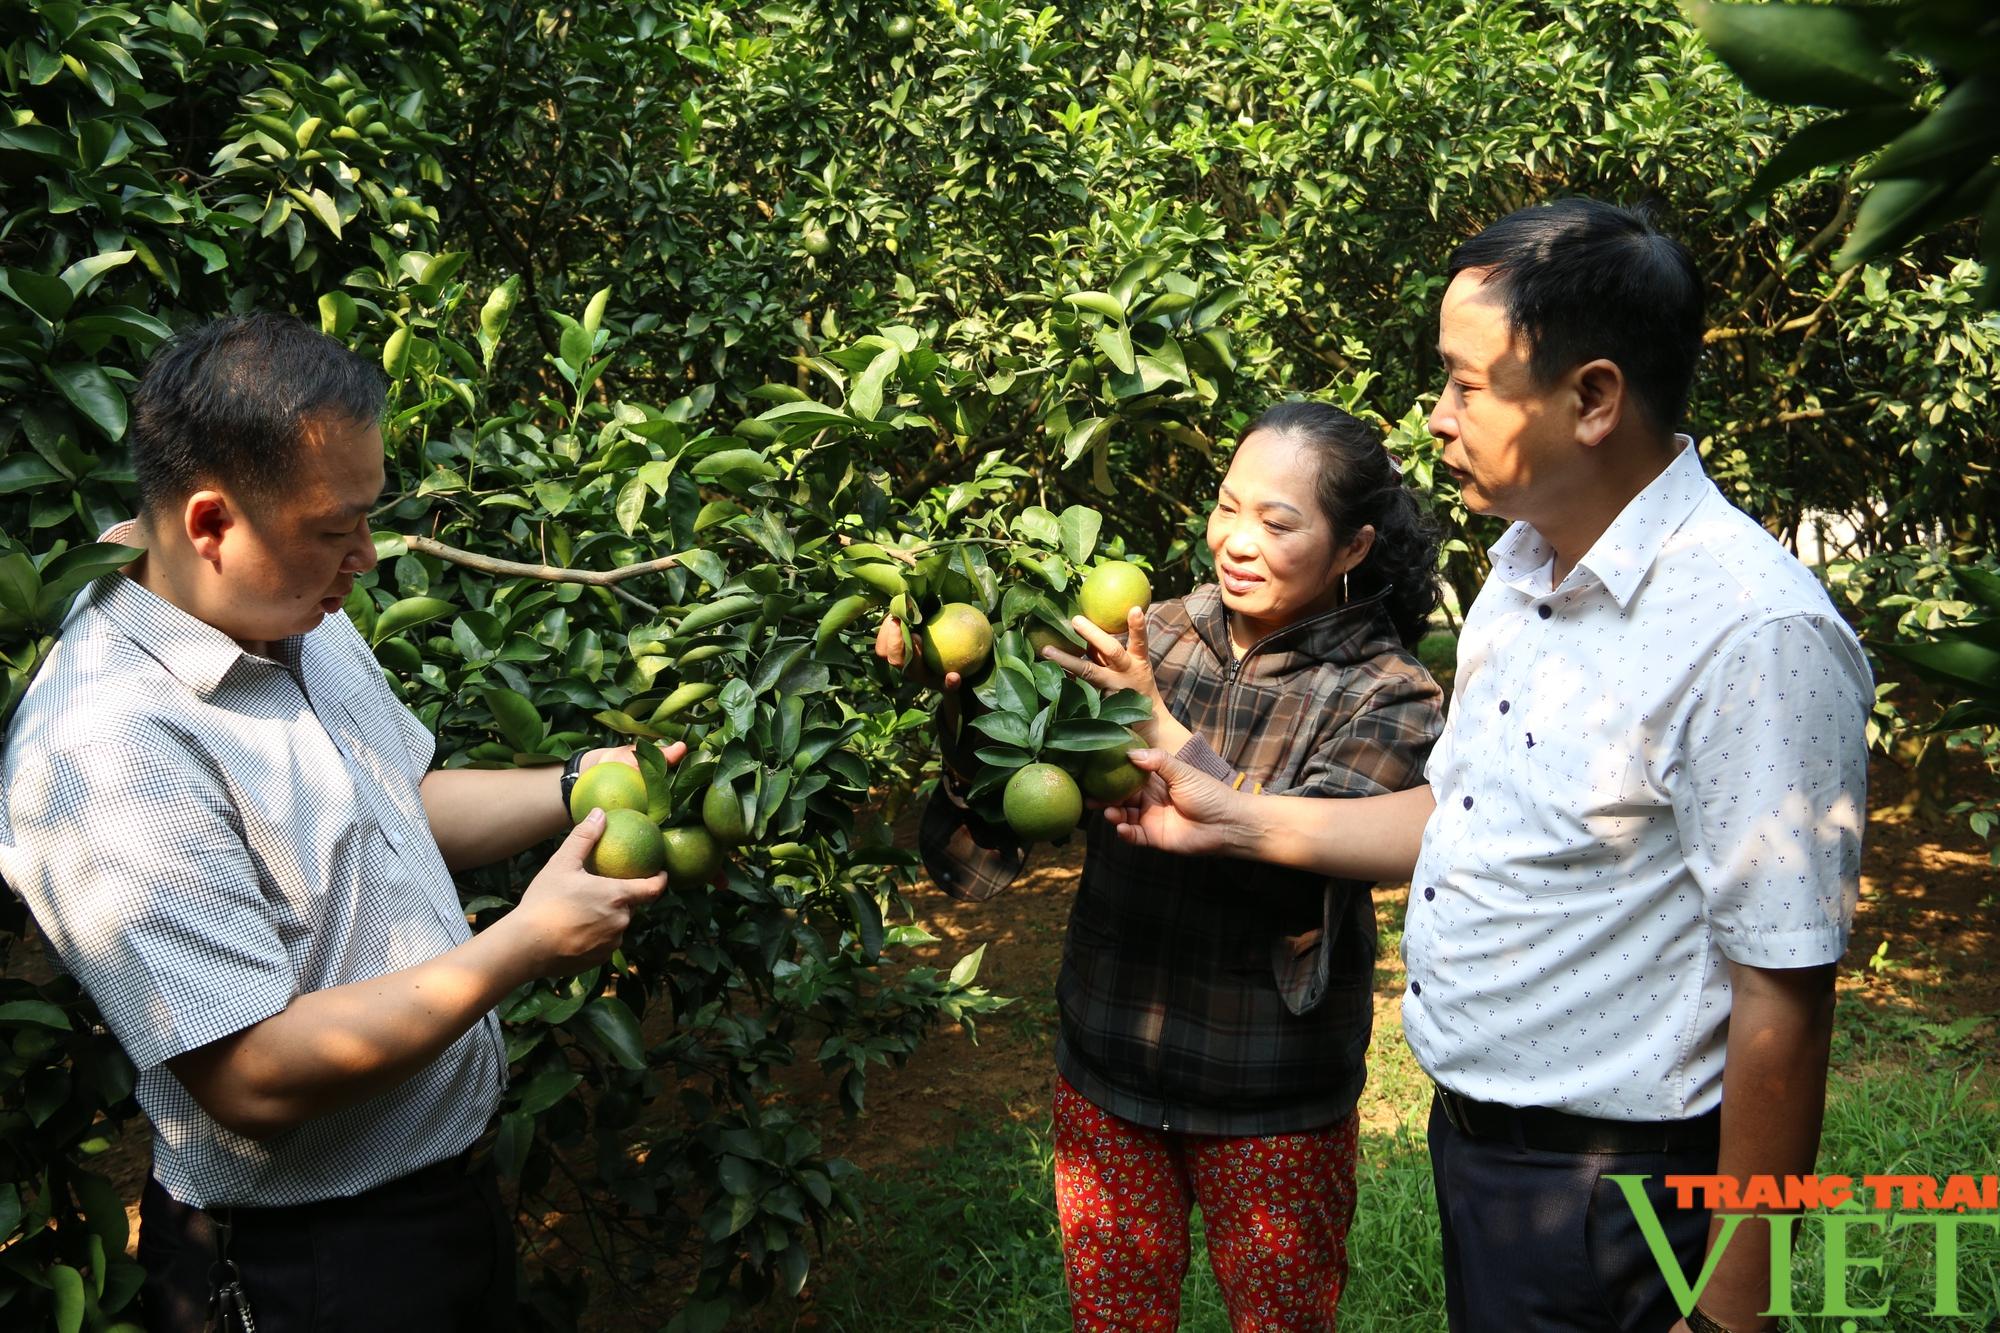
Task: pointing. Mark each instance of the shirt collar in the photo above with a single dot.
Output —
(1623, 552)
(193, 651)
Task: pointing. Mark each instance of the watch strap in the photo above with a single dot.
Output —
(571, 772)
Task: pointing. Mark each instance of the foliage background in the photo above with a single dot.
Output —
(733, 282)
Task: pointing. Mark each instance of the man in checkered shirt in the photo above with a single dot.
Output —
(225, 822)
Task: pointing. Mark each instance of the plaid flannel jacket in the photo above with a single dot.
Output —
(1210, 995)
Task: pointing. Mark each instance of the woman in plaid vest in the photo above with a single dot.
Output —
(1215, 1013)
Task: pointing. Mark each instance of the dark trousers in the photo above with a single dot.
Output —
(431, 1251)
(1540, 1240)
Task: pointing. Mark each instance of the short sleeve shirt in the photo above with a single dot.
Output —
(204, 835)
(1650, 770)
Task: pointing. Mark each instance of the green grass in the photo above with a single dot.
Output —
(968, 1242)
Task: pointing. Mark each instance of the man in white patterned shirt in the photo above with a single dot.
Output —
(225, 822)
(1634, 867)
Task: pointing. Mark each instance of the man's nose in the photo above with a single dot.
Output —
(362, 558)
(1442, 423)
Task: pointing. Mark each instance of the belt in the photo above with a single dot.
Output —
(439, 1178)
(1550, 1130)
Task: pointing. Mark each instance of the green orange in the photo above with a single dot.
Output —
(1042, 803)
(629, 847)
(607, 786)
(1110, 591)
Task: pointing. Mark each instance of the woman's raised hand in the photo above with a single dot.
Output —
(1112, 665)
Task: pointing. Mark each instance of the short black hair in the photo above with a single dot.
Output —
(1585, 279)
(227, 403)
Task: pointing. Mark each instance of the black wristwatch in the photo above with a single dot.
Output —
(571, 771)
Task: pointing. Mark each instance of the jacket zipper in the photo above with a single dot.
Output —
(1232, 671)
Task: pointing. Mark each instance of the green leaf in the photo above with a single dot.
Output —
(1116, 344)
(1960, 131)
(1080, 526)
(1010, 691)
(92, 393)
(864, 397)
(495, 315)
(575, 345)
(66, 1287)
(1087, 735)
(593, 314)
(512, 1142)
(724, 461)
(546, 1089)
(39, 1012)
(119, 321)
(631, 506)
(614, 1024)
(47, 296)
(808, 413)
(1960, 661)
(25, 472)
(20, 587)
(1102, 303)
(1082, 436)
(627, 725)
(1837, 139)
(79, 565)
(517, 719)
(1981, 585)
(396, 353)
(1810, 55)
(79, 276)
(337, 314)
(867, 920)
(408, 614)
(1007, 728)
(966, 970)
(1037, 525)
(1893, 213)
(104, 1210)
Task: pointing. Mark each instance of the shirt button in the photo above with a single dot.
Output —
(1468, 802)
(1504, 705)
(1544, 611)
(1416, 988)
(1430, 894)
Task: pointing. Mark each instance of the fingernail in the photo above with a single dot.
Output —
(596, 815)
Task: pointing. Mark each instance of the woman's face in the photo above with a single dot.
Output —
(1276, 557)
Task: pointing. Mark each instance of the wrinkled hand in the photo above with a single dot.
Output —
(1181, 809)
(574, 919)
(1114, 666)
(891, 648)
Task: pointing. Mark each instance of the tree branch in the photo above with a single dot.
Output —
(596, 578)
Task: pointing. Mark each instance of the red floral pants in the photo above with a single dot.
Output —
(1276, 1210)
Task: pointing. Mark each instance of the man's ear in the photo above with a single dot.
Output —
(1600, 400)
(206, 519)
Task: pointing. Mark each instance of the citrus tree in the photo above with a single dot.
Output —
(1910, 91)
